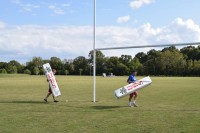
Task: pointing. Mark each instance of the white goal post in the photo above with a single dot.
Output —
(148, 46)
(127, 47)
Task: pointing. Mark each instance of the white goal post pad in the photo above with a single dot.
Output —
(51, 78)
(130, 88)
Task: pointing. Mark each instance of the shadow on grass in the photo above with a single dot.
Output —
(31, 102)
(105, 107)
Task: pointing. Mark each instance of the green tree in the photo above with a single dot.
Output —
(57, 64)
(36, 62)
(80, 71)
(66, 72)
(81, 63)
(142, 57)
(189, 67)
(69, 66)
(18, 65)
(136, 65)
(196, 67)
(3, 65)
(36, 71)
(121, 69)
(3, 71)
(11, 69)
(172, 62)
(171, 49)
(151, 66)
(191, 52)
(111, 64)
(27, 71)
(100, 62)
(127, 61)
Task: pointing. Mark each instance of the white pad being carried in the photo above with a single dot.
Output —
(52, 81)
(130, 88)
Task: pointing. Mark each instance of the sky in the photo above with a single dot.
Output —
(64, 28)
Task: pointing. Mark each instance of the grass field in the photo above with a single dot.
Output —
(169, 105)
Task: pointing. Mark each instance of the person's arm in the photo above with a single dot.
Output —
(131, 82)
(128, 80)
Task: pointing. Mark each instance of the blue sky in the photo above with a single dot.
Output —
(63, 28)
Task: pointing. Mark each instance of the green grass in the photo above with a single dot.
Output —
(169, 105)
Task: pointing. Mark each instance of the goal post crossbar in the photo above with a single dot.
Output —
(146, 46)
(128, 47)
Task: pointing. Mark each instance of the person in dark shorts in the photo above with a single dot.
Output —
(132, 79)
(49, 91)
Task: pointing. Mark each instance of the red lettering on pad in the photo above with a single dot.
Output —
(51, 79)
(134, 85)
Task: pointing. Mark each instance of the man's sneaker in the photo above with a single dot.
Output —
(129, 104)
(56, 101)
(134, 104)
(45, 100)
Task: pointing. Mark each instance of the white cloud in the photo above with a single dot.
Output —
(2, 25)
(29, 7)
(25, 7)
(123, 19)
(24, 42)
(66, 5)
(32, 40)
(59, 11)
(180, 31)
(52, 7)
(16, 1)
(56, 9)
(135, 21)
(139, 3)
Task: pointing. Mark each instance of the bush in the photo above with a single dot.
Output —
(27, 71)
(3, 71)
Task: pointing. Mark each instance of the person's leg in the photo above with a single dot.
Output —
(54, 99)
(130, 98)
(48, 94)
(134, 99)
(135, 96)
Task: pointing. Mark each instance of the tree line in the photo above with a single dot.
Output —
(169, 61)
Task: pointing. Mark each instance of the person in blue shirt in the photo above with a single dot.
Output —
(132, 79)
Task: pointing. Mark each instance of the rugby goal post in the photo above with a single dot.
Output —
(126, 47)
(129, 47)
